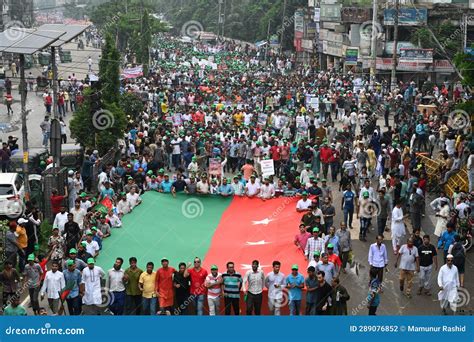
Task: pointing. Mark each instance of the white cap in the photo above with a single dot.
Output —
(21, 220)
(95, 152)
(71, 172)
(449, 256)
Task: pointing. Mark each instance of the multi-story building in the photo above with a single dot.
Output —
(19, 11)
(343, 36)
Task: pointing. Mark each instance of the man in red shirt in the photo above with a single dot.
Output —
(57, 200)
(302, 238)
(325, 154)
(275, 153)
(198, 289)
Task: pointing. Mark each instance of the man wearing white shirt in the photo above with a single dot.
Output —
(116, 287)
(252, 188)
(378, 258)
(90, 289)
(78, 213)
(60, 220)
(92, 247)
(267, 190)
(304, 204)
(133, 198)
(275, 282)
(52, 286)
(448, 281)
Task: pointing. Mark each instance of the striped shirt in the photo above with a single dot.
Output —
(215, 290)
(313, 245)
(232, 285)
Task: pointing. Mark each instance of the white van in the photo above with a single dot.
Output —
(12, 193)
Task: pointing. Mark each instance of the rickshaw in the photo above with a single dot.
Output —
(65, 56)
(44, 58)
(41, 84)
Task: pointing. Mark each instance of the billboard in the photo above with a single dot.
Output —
(356, 15)
(351, 56)
(299, 20)
(416, 55)
(406, 16)
(331, 12)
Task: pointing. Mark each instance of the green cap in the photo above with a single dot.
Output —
(89, 233)
(214, 267)
(365, 194)
(161, 170)
(71, 262)
(149, 172)
(94, 228)
(324, 180)
(304, 193)
(315, 229)
(164, 259)
(330, 245)
(91, 261)
(83, 194)
(294, 267)
(317, 253)
(31, 257)
(72, 251)
(83, 244)
(130, 178)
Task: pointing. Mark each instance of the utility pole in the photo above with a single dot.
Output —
(283, 27)
(24, 128)
(393, 83)
(464, 25)
(373, 45)
(268, 40)
(219, 20)
(55, 82)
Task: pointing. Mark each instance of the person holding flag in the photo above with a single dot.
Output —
(70, 292)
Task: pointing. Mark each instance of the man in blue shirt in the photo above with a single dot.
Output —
(73, 278)
(447, 239)
(295, 284)
(166, 185)
(422, 135)
(347, 205)
(225, 189)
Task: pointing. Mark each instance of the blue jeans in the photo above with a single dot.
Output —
(348, 214)
(199, 304)
(45, 139)
(295, 307)
(364, 225)
(149, 306)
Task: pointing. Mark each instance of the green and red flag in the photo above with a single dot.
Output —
(104, 206)
(213, 228)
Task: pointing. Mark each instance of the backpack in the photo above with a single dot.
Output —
(458, 251)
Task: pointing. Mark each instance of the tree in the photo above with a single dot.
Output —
(143, 55)
(109, 71)
(98, 129)
(131, 104)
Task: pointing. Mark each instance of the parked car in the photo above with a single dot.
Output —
(12, 193)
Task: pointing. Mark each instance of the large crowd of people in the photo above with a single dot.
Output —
(212, 116)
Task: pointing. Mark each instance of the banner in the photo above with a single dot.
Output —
(331, 12)
(215, 168)
(262, 120)
(356, 15)
(406, 16)
(268, 168)
(416, 55)
(317, 15)
(133, 72)
(299, 21)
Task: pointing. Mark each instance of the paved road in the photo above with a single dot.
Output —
(393, 302)
(35, 102)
